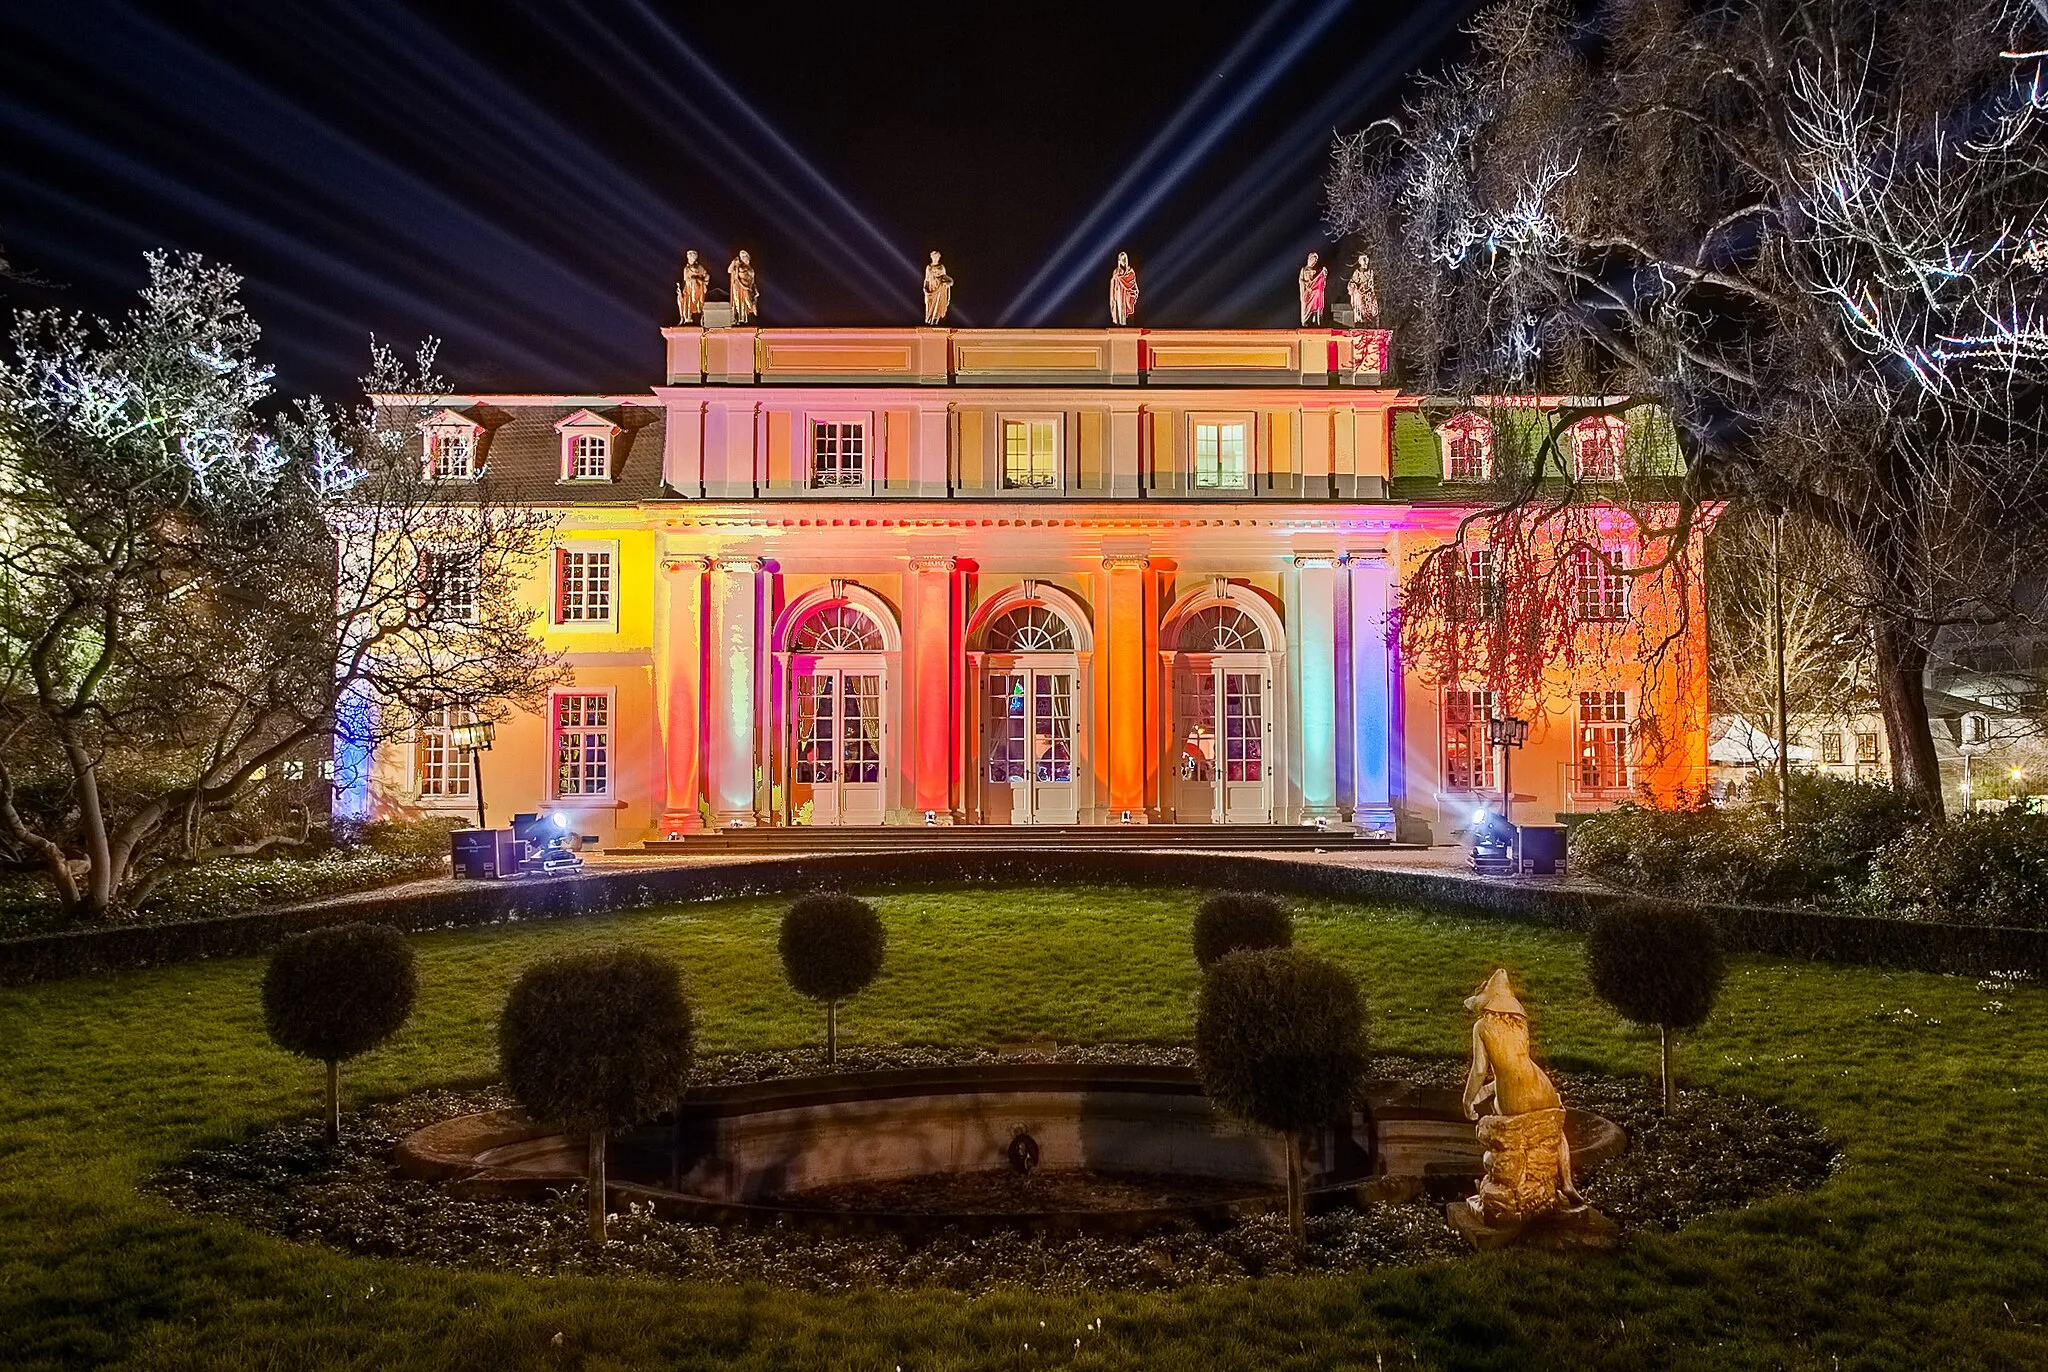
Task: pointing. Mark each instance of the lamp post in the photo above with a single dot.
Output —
(1507, 734)
(477, 737)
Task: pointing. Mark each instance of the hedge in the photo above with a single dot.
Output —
(1822, 936)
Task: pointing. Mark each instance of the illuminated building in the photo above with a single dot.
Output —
(1045, 576)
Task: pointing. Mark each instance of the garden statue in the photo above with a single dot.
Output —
(1314, 281)
(938, 291)
(1123, 290)
(692, 290)
(745, 298)
(1528, 1168)
(1364, 293)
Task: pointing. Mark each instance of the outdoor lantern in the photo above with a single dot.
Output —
(1507, 733)
(476, 736)
(931, 817)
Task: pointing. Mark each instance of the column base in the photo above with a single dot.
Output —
(1377, 820)
(680, 822)
(734, 819)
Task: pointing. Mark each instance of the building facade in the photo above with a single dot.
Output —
(955, 576)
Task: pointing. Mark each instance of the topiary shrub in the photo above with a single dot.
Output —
(832, 946)
(1280, 1041)
(1659, 967)
(1227, 921)
(335, 993)
(594, 1042)
(1977, 869)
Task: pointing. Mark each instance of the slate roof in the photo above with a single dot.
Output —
(522, 452)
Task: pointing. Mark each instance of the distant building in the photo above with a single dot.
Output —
(1033, 576)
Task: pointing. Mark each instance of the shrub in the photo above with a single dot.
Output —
(1280, 1040)
(1659, 967)
(593, 1042)
(1978, 869)
(1739, 851)
(1227, 921)
(420, 838)
(335, 993)
(832, 948)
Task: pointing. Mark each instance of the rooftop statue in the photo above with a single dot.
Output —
(1314, 281)
(746, 298)
(1364, 293)
(692, 290)
(1528, 1165)
(938, 291)
(1123, 291)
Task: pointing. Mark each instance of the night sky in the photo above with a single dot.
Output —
(520, 179)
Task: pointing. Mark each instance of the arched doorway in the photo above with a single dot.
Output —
(1028, 743)
(1221, 756)
(836, 656)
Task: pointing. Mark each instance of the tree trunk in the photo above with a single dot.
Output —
(1297, 1211)
(1664, 1070)
(596, 1186)
(831, 1032)
(334, 1101)
(1902, 698)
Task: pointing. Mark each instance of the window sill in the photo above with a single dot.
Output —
(587, 803)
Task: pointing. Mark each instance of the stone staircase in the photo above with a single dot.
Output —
(771, 841)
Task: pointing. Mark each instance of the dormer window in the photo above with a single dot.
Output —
(1467, 442)
(1596, 447)
(587, 446)
(452, 439)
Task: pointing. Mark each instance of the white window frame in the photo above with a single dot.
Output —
(584, 426)
(590, 457)
(1461, 425)
(1600, 581)
(456, 787)
(609, 729)
(1221, 422)
(435, 565)
(1606, 724)
(1594, 433)
(439, 436)
(1056, 473)
(556, 621)
(1481, 597)
(1478, 739)
(815, 426)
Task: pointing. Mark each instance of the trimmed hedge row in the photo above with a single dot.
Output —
(1971, 949)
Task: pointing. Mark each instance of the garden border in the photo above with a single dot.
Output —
(1810, 934)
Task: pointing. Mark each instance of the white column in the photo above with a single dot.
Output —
(1315, 645)
(730, 688)
(1372, 698)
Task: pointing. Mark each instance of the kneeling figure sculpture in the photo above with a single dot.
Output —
(1528, 1164)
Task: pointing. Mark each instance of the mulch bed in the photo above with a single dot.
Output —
(1720, 1152)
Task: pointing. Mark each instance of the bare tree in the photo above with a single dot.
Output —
(1807, 230)
(192, 593)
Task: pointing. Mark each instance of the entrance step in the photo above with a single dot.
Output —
(964, 837)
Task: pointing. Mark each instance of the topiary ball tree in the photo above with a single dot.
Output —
(593, 1042)
(832, 947)
(1226, 921)
(335, 993)
(1656, 966)
(1280, 1041)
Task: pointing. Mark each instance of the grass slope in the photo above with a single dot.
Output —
(1925, 1251)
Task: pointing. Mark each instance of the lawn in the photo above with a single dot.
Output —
(1926, 1250)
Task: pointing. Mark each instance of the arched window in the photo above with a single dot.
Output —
(1467, 442)
(1596, 443)
(590, 458)
(839, 628)
(1220, 629)
(1030, 629)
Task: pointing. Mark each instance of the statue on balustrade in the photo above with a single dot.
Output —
(938, 291)
(742, 290)
(1364, 293)
(1313, 281)
(693, 289)
(1123, 291)
(1528, 1164)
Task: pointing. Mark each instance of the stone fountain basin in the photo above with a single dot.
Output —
(834, 1150)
